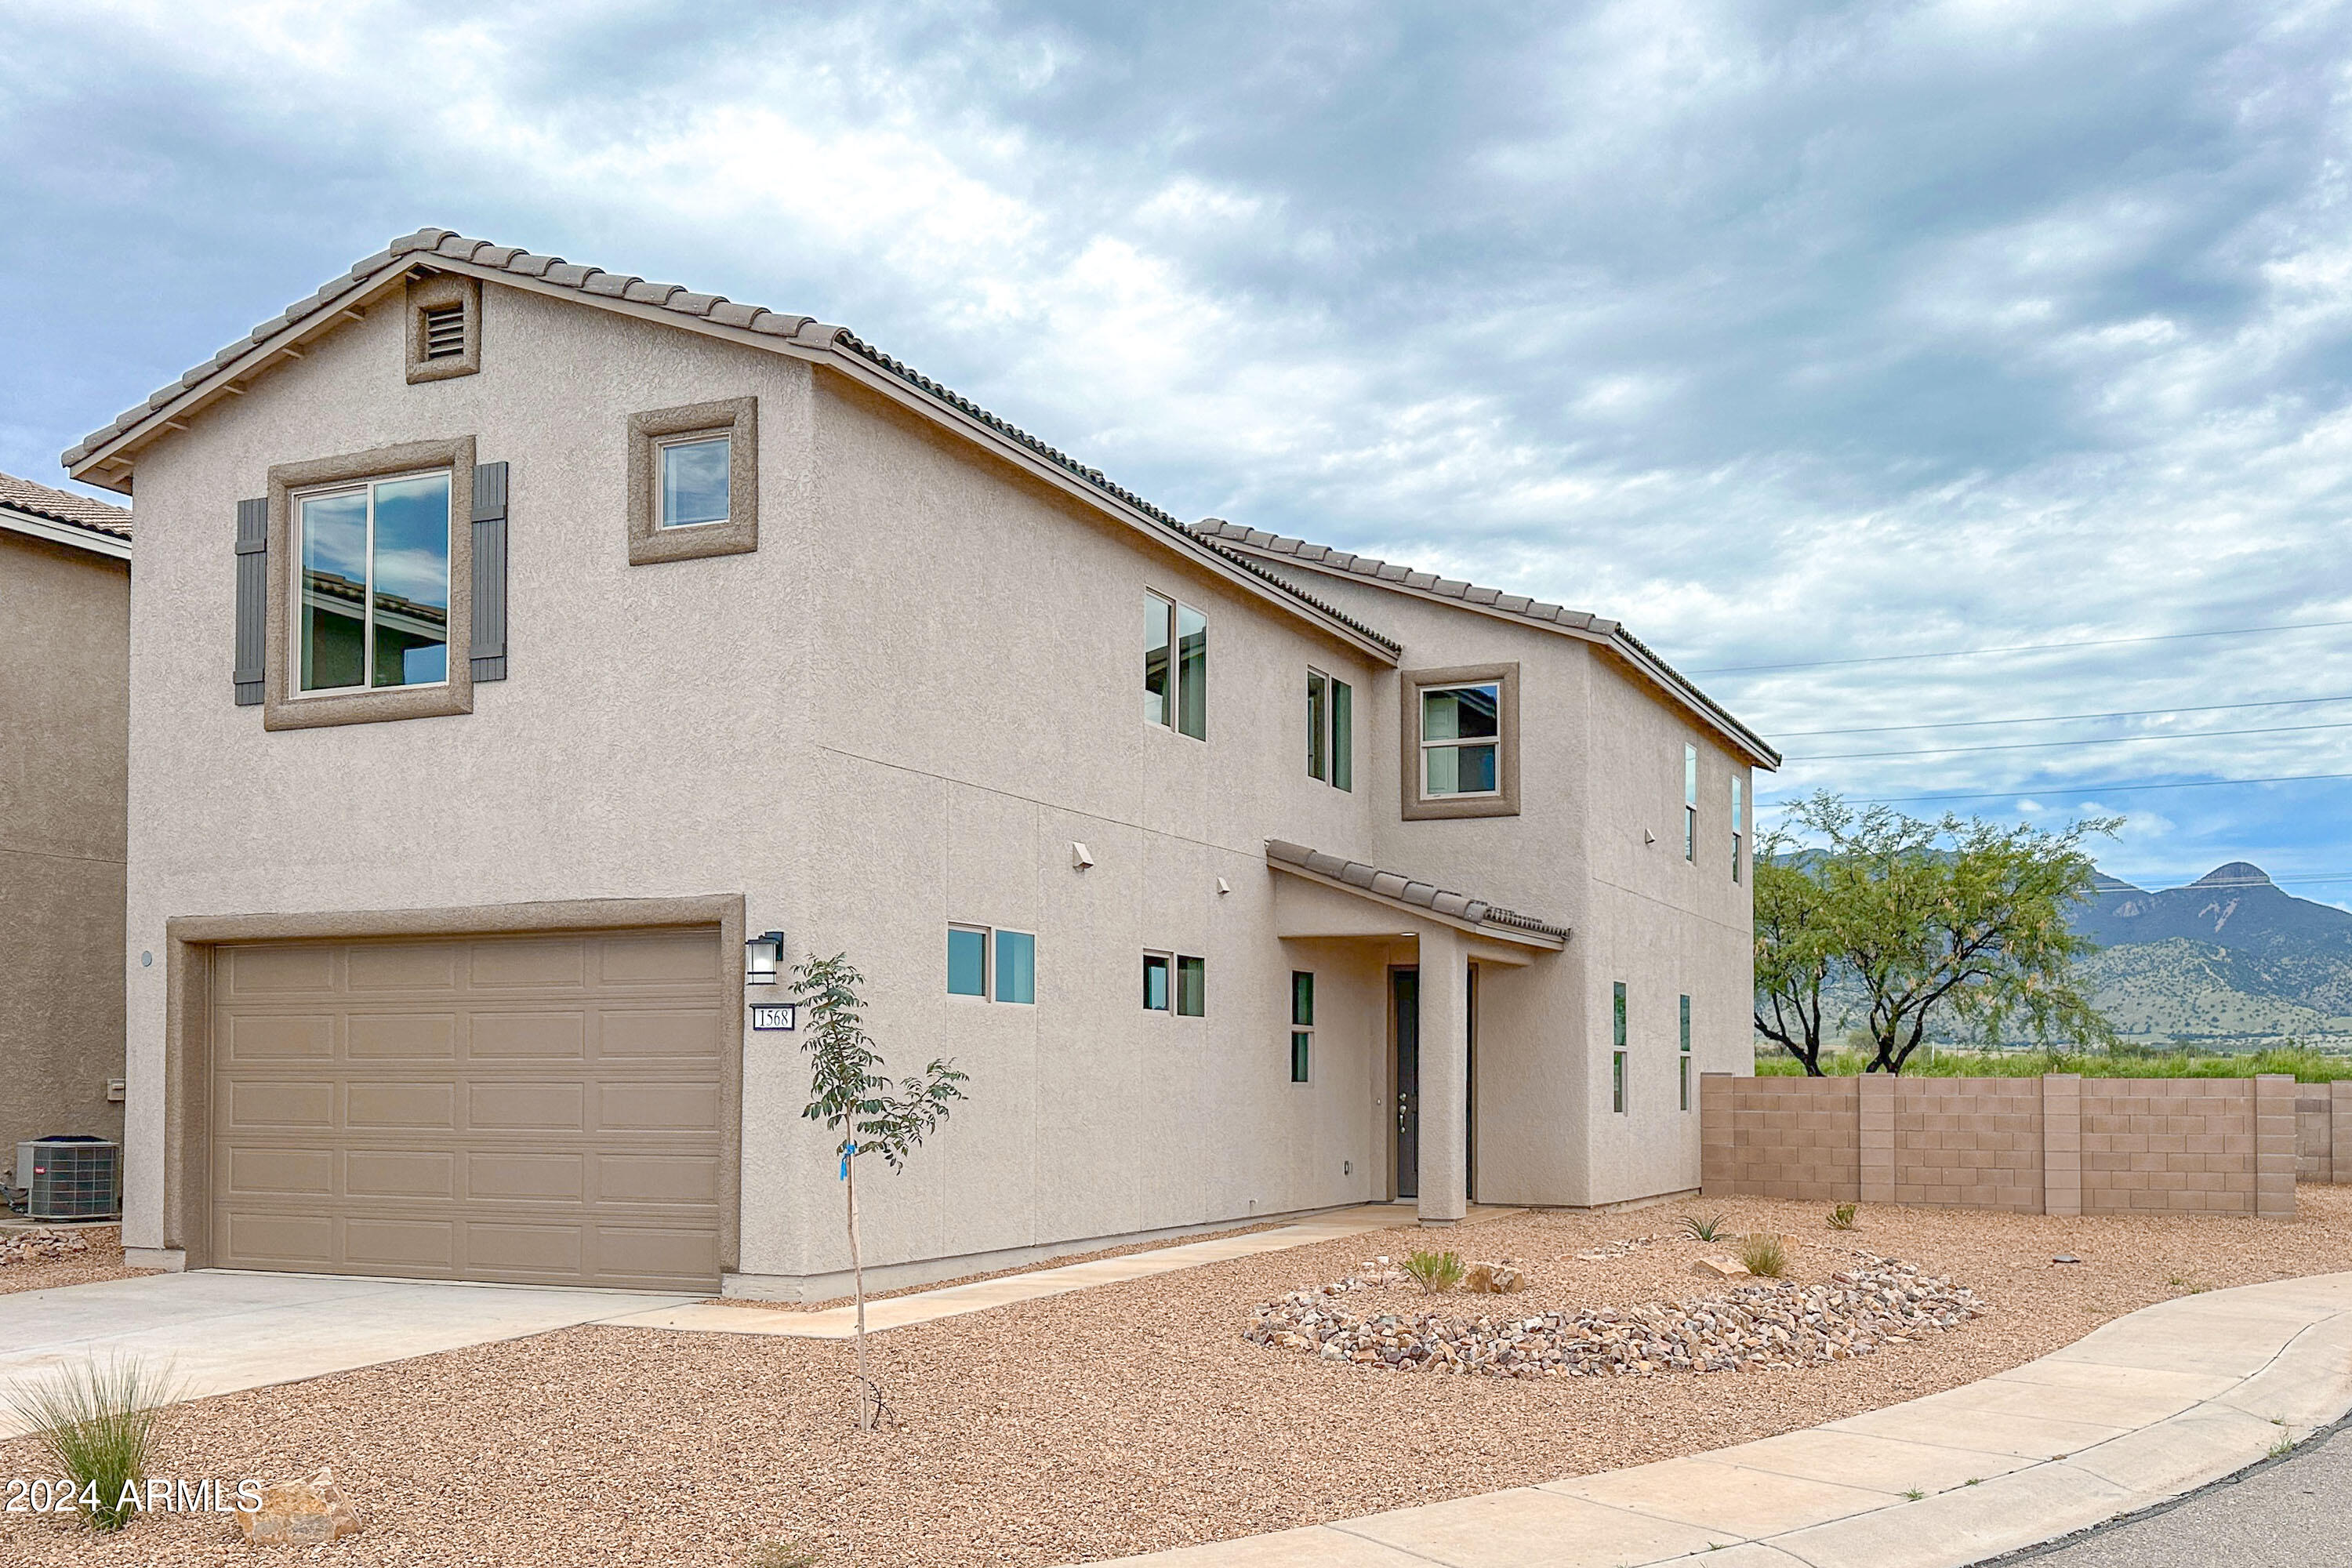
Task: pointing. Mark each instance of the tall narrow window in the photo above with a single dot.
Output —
(1739, 822)
(1016, 966)
(1302, 1023)
(1331, 730)
(1343, 736)
(1690, 804)
(1191, 986)
(1617, 1057)
(1617, 1083)
(376, 585)
(1686, 1056)
(967, 961)
(1175, 666)
(1460, 740)
(1155, 983)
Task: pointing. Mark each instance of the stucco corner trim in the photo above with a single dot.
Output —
(738, 418)
(281, 706)
(1416, 807)
(435, 293)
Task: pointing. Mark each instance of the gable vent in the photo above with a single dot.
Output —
(445, 332)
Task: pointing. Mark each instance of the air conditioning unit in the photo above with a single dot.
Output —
(70, 1178)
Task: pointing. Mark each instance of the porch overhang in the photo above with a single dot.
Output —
(1371, 902)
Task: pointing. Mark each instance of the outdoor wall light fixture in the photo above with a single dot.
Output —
(762, 955)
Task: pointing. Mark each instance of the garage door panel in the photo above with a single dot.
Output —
(402, 966)
(657, 1034)
(271, 1037)
(531, 1036)
(417, 1037)
(424, 1104)
(533, 1109)
(527, 1178)
(257, 1104)
(399, 1173)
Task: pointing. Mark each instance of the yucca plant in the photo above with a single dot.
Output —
(1763, 1255)
(97, 1423)
(1708, 1229)
(1842, 1216)
(1437, 1271)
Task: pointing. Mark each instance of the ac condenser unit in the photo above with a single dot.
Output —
(70, 1178)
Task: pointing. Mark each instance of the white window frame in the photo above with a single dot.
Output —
(987, 992)
(662, 444)
(1738, 824)
(1690, 803)
(1174, 610)
(1421, 778)
(295, 501)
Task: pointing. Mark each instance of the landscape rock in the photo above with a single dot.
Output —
(40, 1246)
(1501, 1279)
(1755, 1327)
(300, 1513)
(1717, 1266)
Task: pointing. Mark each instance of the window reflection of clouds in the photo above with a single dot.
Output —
(412, 539)
(694, 483)
(334, 535)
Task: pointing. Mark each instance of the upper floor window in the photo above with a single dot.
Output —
(693, 480)
(1015, 952)
(375, 584)
(1331, 730)
(1690, 804)
(1175, 666)
(1739, 822)
(1461, 744)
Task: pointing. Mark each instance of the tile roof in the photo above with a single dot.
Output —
(807, 332)
(1518, 607)
(64, 506)
(1406, 889)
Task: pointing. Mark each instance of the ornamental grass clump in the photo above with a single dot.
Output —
(1842, 1216)
(97, 1423)
(1438, 1272)
(1764, 1256)
(1708, 1229)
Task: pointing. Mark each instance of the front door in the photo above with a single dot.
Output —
(1406, 983)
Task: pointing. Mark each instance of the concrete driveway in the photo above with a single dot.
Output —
(220, 1330)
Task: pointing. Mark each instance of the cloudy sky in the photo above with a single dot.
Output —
(1807, 340)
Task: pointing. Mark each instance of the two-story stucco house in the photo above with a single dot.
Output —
(517, 645)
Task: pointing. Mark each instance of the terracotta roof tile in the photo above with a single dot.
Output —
(1405, 890)
(64, 506)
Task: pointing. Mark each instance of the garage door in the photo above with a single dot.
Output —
(541, 1109)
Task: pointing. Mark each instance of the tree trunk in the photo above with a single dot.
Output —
(858, 1288)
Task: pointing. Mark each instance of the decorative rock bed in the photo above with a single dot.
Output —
(40, 1246)
(1767, 1326)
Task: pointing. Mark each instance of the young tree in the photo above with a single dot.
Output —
(849, 1094)
(1796, 954)
(1951, 918)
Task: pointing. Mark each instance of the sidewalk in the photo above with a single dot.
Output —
(952, 1300)
(2142, 1409)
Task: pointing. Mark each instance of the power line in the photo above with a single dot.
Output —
(2117, 786)
(2047, 745)
(2023, 647)
(2056, 718)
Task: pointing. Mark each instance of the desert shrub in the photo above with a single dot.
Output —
(1709, 1228)
(97, 1423)
(1764, 1256)
(1842, 1216)
(1438, 1272)
(2128, 1059)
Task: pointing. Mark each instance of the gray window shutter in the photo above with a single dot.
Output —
(252, 600)
(489, 572)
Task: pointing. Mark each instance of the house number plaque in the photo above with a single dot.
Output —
(774, 1015)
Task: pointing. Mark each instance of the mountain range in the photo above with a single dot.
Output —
(2230, 960)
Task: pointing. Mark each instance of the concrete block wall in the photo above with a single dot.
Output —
(2323, 1132)
(2059, 1144)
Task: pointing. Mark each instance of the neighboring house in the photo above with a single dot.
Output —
(518, 642)
(65, 701)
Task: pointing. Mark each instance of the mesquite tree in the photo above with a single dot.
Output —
(849, 1094)
(1921, 922)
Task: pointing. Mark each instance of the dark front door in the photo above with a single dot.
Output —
(1407, 987)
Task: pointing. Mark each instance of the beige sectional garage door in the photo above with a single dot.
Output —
(533, 1109)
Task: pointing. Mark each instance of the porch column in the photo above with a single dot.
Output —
(1444, 1075)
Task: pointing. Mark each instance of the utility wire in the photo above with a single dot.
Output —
(2023, 647)
(2116, 786)
(2047, 745)
(2056, 718)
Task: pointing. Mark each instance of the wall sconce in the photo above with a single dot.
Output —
(762, 955)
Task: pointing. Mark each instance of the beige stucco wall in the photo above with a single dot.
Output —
(64, 646)
(899, 713)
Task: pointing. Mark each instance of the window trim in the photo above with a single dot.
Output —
(650, 544)
(1173, 610)
(1331, 721)
(438, 292)
(663, 445)
(1505, 799)
(295, 691)
(283, 705)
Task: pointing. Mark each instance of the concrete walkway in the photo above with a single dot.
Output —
(953, 1300)
(219, 1330)
(2141, 1410)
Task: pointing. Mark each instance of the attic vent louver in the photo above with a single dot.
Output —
(445, 332)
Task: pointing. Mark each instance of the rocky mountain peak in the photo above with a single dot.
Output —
(2236, 874)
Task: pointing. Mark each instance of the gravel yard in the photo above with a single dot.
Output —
(102, 1261)
(1120, 1419)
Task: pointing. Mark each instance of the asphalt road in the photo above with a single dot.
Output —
(2294, 1512)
